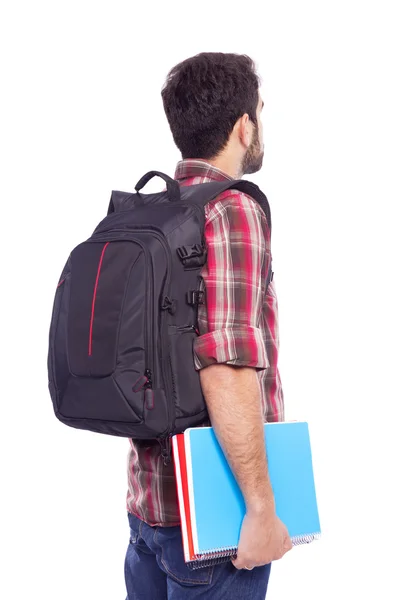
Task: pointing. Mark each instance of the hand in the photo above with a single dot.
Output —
(263, 538)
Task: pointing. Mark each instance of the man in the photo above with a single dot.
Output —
(213, 107)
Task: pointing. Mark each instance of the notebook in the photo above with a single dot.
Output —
(211, 504)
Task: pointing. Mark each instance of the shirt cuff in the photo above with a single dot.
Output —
(239, 346)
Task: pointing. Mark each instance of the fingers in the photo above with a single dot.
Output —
(248, 563)
(243, 562)
(240, 563)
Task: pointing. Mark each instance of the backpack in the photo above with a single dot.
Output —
(124, 319)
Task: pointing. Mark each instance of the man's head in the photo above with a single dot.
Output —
(213, 107)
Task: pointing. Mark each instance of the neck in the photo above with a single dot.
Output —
(227, 165)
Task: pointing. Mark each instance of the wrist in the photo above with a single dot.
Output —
(261, 507)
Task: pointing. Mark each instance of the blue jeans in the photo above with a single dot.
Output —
(155, 570)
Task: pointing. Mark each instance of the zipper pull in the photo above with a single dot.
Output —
(148, 390)
(140, 384)
(165, 444)
(149, 398)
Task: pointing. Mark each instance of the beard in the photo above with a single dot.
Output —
(253, 159)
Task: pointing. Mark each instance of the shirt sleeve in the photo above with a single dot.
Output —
(234, 277)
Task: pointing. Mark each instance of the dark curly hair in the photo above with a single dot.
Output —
(203, 98)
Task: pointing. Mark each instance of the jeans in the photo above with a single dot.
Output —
(155, 570)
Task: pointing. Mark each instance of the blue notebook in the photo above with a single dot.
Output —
(211, 503)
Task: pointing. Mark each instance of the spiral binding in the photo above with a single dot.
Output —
(221, 555)
(209, 559)
(297, 540)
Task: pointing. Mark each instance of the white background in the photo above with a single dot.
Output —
(82, 115)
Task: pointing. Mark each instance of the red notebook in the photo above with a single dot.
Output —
(195, 561)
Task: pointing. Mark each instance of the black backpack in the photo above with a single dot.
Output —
(124, 319)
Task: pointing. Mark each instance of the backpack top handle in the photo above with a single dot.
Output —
(173, 188)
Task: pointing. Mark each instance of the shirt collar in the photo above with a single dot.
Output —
(194, 167)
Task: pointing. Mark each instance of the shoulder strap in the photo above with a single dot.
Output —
(203, 193)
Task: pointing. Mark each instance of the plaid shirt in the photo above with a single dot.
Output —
(238, 325)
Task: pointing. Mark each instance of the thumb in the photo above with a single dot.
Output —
(287, 544)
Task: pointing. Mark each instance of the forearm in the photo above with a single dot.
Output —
(233, 400)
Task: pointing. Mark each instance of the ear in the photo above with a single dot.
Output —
(245, 130)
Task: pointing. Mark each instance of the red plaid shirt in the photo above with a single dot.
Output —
(238, 326)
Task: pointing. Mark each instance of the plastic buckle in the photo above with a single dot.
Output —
(195, 297)
(186, 252)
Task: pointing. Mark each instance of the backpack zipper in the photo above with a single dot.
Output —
(54, 324)
(148, 323)
(167, 377)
